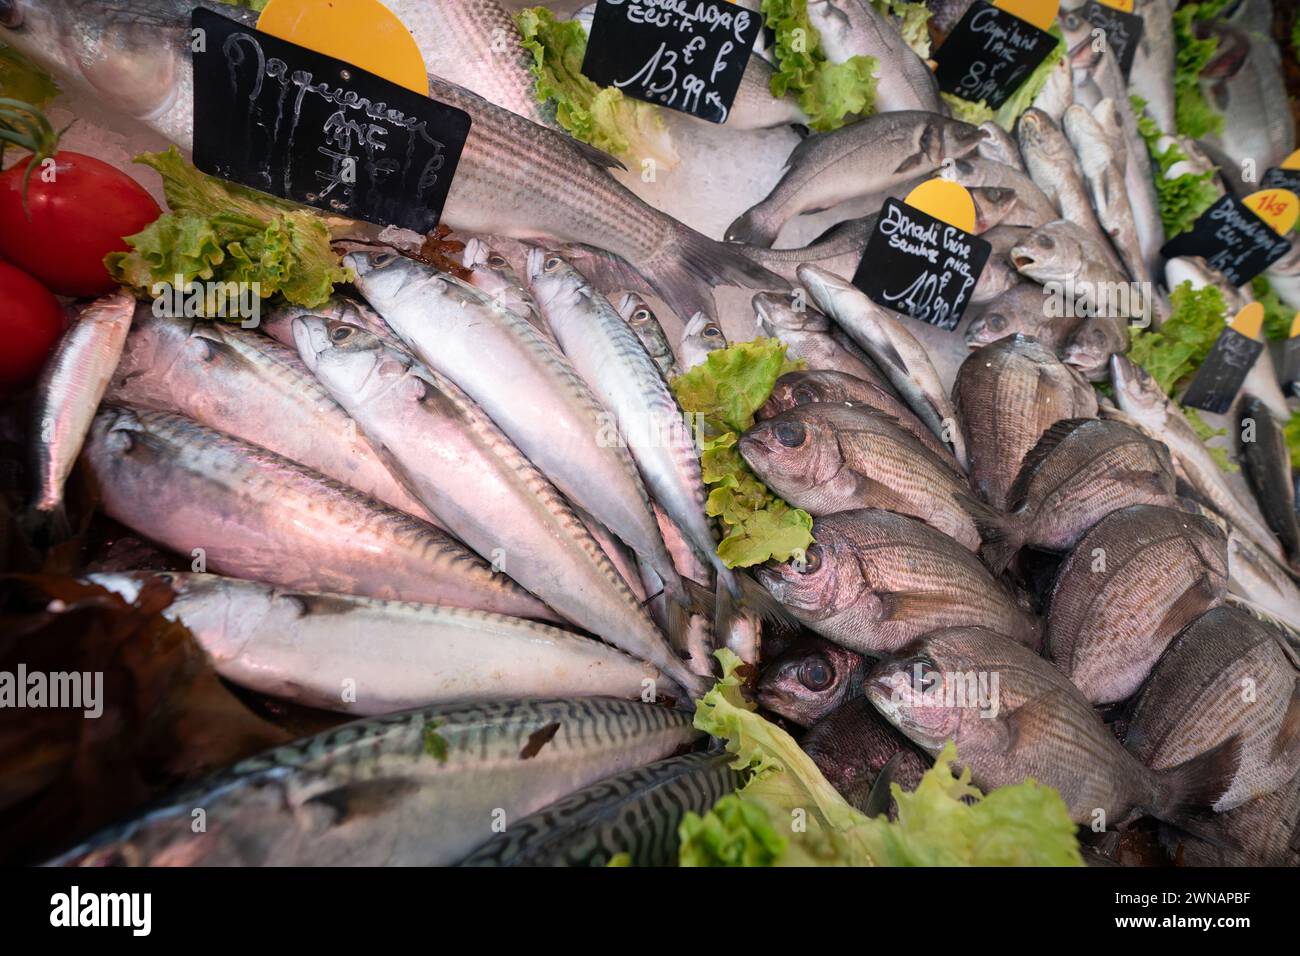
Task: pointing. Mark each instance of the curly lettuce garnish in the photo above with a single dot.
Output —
(831, 94)
(788, 814)
(1193, 114)
(912, 21)
(1181, 198)
(599, 115)
(223, 233)
(726, 390)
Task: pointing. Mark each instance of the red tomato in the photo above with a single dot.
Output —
(78, 217)
(31, 321)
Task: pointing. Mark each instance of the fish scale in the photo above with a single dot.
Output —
(315, 802)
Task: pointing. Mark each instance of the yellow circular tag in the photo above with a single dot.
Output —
(1250, 320)
(946, 200)
(1125, 5)
(1277, 207)
(1292, 161)
(1041, 13)
(365, 33)
(1295, 326)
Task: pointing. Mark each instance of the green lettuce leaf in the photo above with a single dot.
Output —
(725, 391)
(601, 116)
(1292, 432)
(831, 94)
(1182, 198)
(1277, 314)
(1204, 432)
(23, 80)
(966, 111)
(221, 232)
(1193, 114)
(788, 814)
(912, 20)
(1173, 352)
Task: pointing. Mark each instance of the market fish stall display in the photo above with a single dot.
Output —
(821, 429)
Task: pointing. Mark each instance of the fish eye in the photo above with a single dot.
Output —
(804, 395)
(1047, 242)
(341, 333)
(497, 262)
(996, 322)
(711, 332)
(816, 673)
(641, 315)
(790, 434)
(922, 673)
(812, 560)
(11, 14)
(552, 263)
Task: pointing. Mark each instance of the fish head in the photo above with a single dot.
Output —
(347, 359)
(794, 452)
(805, 683)
(634, 310)
(799, 388)
(1077, 32)
(153, 345)
(388, 279)
(992, 205)
(925, 691)
(777, 313)
(1092, 344)
(989, 326)
(1032, 127)
(833, 23)
(701, 336)
(1049, 254)
(132, 55)
(557, 286)
(1138, 394)
(827, 581)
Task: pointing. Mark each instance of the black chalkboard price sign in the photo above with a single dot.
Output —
(688, 55)
(920, 266)
(306, 127)
(989, 53)
(1279, 178)
(1219, 379)
(1123, 31)
(1290, 363)
(1230, 238)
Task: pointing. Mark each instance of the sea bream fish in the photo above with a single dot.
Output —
(514, 178)
(874, 580)
(250, 513)
(419, 788)
(480, 485)
(75, 378)
(1034, 724)
(366, 656)
(853, 745)
(548, 411)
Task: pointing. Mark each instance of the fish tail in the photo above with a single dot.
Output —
(685, 273)
(1198, 783)
(1000, 535)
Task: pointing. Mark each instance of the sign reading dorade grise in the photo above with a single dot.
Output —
(1123, 31)
(989, 53)
(1219, 379)
(920, 266)
(303, 126)
(688, 55)
(1279, 178)
(1231, 239)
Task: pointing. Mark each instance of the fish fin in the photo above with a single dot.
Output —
(912, 162)
(597, 157)
(361, 798)
(1001, 536)
(1287, 744)
(895, 605)
(604, 270)
(1190, 605)
(1040, 711)
(1019, 489)
(777, 620)
(1199, 783)
(691, 265)
(1140, 479)
(880, 797)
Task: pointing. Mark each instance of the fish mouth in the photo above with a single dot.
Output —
(311, 338)
(1021, 259)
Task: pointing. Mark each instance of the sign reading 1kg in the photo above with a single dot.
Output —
(687, 55)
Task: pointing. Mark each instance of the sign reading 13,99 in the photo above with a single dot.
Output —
(687, 55)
